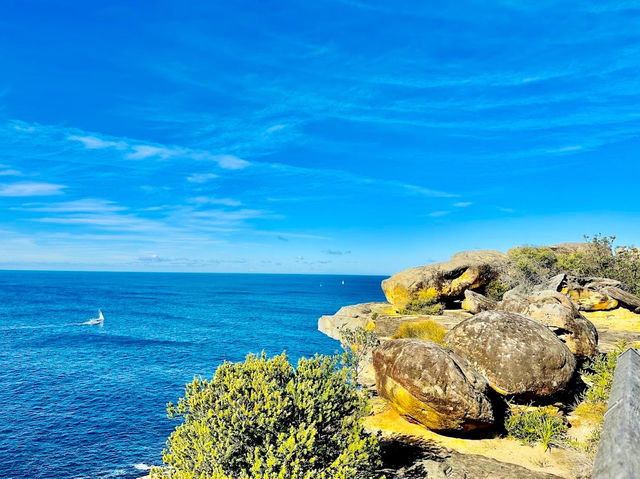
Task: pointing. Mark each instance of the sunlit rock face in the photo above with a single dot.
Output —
(516, 354)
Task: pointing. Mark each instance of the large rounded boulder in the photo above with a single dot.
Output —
(432, 385)
(560, 314)
(445, 281)
(516, 354)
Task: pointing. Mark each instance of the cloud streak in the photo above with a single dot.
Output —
(31, 189)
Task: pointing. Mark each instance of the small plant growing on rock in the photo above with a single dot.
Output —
(428, 330)
(538, 425)
(263, 418)
(496, 289)
(598, 373)
(358, 344)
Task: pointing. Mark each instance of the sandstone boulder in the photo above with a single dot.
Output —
(623, 298)
(431, 385)
(556, 283)
(515, 301)
(476, 303)
(560, 314)
(445, 281)
(352, 317)
(516, 354)
(590, 299)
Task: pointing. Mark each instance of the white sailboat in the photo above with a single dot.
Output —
(99, 320)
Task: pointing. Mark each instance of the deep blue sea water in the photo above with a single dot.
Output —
(88, 401)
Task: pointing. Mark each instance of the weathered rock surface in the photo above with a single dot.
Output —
(352, 317)
(558, 312)
(476, 303)
(515, 300)
(435, 463)
(432, 385)
(590, 299)
(556, 283)
(623, 298)
(516, 354)
(444, 281)
(570, 247)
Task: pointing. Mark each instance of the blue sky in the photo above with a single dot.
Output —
(343, 136)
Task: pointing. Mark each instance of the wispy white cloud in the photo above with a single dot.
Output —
(228, 162)
(201, 177)
(86, 205)
(566, 149)
(462, 204)
(141, 152)
(11, 172)
(206, 200)
(95, 143)
(31, 189)
(437, 214)
(275, 128)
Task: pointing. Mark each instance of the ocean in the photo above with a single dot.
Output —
(84, 401)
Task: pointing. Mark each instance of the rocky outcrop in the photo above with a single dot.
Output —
(352, 317)
(445, 281)
(516, 354)
(590, 299)
(623, 298)
(476, 303)
(428, 461)
(432, 385)
(558, 312)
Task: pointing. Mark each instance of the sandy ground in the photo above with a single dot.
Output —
(564, 462)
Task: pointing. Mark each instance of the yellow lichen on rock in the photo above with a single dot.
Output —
(427, 330)
(590, 300)
(562, 462)
(620, 319)
(470, 279)
(408, 405)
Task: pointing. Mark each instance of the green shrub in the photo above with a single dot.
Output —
(599, 257)
(536, 425)
(496, 289)
(263, 418)
(530, 265)
(598, 373)
(423, 306)
(428, 330)
(358, 344)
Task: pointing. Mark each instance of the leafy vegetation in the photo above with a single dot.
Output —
(426, 306)
(496, 289)
(599, 257)
(263, 418)
(530, 264)
(537, 425)
(428, 330)
(358, 344)
(598, 374)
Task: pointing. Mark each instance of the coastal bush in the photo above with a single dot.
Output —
(496, 289)
(598, 373)
(538, 425)
(530, 264)
(358, 344)
(599, 257)
(426, 306)
(263, 418)
(428, 330)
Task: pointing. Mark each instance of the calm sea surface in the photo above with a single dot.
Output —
(88, 401)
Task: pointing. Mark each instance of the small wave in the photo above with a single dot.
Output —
(114, 473)
(38, 326)
(141, 466)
